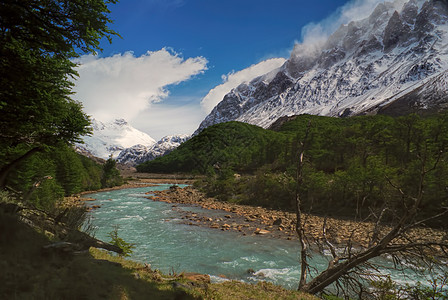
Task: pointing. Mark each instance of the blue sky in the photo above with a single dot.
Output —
(231, 34)
(174, 52)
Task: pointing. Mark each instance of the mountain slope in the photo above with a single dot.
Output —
(138, 154)
(396, 55)
(233, 144)
(111, 138)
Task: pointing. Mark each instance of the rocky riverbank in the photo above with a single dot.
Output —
(249, 220)
(135, 182)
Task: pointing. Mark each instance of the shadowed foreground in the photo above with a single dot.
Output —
(29, 271)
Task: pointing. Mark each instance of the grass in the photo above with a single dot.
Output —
(28, 272)
(262, 290)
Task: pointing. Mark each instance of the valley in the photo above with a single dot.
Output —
(168, 241)
(319, 173)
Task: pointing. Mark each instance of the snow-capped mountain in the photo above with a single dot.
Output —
(393, 62)
(112, 137)
(141, 153)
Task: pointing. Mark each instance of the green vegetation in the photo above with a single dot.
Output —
(387, 289)
(111, 176)
(40, 122)
(234, 145)
(29, 272)
(122, 244)
(352, 163)
(45, 178)
(263, 290)
(38, 40)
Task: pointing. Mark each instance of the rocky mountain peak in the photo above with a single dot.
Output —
(302, 59)
(120, 122)
(361, 68)
(110, 138)
(395, 32)
(410, 12)
(140, 153)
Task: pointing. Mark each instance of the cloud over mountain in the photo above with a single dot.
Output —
(394, 61)
(234, 79)
(314, 34)
(123, 85)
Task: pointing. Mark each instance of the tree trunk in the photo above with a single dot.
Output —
(88, 241)
(336, 271)
(332, 274)
(300, 230)
(299, 223)
(6, 169)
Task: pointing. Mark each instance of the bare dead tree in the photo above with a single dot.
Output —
(300, 230)
(347, 268)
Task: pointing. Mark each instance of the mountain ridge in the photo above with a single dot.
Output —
(128, 145)
(110, 138)
(362, 68)
(138, 154)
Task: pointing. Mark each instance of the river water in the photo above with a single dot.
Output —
(163, 241)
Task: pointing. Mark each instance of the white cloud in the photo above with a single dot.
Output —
(167, 119)
(123, 85)
(234, 79)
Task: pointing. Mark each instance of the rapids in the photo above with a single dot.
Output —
(166, 244)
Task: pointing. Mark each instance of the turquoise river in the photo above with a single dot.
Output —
(163, 241)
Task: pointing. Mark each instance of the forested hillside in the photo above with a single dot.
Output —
(234, 145)
(350, 163)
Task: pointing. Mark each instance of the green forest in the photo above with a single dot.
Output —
(351, 164)
(39, 121)
(45, 178)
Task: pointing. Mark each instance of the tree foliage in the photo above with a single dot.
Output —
(110, 176)
(38, 39)
(44, 178)
(349, 162)
(119, 242)
(232, 145)
(389, 172)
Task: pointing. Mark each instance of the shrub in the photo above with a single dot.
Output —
(119, 242)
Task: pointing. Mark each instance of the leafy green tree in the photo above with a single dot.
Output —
(223, 187)
(44, 178)
(111, 176)
(270, 189)
(91, 178)
(38, 39)
(69, 170)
